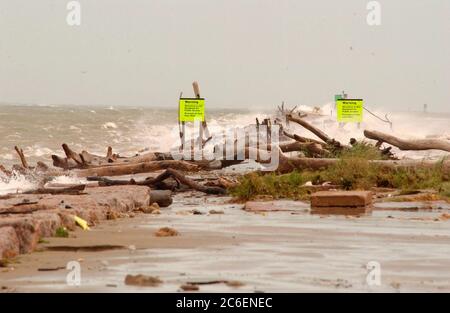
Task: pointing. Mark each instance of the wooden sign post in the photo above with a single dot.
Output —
(204, 126)
(190, 110)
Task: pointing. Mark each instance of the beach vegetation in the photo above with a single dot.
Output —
(353, 171)
(61, 232)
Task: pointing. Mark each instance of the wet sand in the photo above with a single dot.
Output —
(268, 252)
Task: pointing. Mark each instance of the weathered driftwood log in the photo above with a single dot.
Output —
(4, 171)
(223, 182)
(303, 139)
(72, 190)
(168, 184)
(109, 154)
(284, 110)
(24, 168)
(143, 167)
(186, 181)
(289, 164)
(311, 147)
(314, 130)
(386, 152)
(41, 167)
(64, 163)
(73, 155)
(97, 160)
(154, 181)
(146, 157)
(84, 160)
(71, 161)
(416, 144)
(284, 164)
(23, 160)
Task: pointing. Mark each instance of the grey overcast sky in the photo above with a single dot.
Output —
(245, 54)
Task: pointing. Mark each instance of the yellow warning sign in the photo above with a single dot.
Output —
(192, 109)
(349, 110)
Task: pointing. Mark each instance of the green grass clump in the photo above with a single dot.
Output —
(276, 186)
(353, 171)
(360, 150)
(61, 232)
(411, 178)
(444, 191)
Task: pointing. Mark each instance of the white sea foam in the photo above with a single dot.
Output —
(75, 128)
(40, 151)
(18, 183)
(67, 179)
(7, 156)
(109, 125)
(15, 184)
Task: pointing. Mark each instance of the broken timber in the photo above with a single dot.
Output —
(416, 144)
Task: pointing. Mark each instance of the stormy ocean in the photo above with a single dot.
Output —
(40, 130)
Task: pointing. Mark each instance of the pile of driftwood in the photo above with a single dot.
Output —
(320, 151)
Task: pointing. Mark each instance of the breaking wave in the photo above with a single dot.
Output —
(16, 183)
(40, 131)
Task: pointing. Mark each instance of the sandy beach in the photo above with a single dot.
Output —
(283, 251)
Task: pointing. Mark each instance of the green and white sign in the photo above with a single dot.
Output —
(349, 110)
(192, 109)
